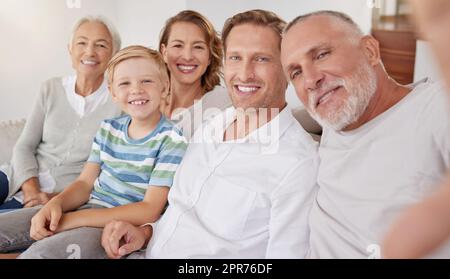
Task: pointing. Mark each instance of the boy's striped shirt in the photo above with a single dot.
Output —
(129, 166)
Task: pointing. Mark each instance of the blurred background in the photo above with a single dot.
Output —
(35, 33)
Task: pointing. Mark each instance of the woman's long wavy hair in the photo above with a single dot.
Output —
(213, 73)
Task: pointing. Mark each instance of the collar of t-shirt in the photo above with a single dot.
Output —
(268, 133)
(84, 105)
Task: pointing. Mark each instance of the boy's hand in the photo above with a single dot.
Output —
(45, 222)
(122, 238)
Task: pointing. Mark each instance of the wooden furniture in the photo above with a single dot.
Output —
(397, 46)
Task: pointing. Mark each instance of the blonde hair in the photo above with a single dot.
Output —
(213, 73)
(136, 51)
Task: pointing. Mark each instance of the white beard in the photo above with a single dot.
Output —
(361, 87)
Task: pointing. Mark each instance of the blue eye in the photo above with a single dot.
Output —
(234, 58)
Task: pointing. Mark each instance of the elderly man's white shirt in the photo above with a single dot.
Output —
(242, 199)
(369, 175)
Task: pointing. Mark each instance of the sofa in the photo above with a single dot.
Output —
(9, 131)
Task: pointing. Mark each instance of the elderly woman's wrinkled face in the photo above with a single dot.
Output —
(91, 49)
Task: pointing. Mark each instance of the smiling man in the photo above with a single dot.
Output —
(233, 197)
(384, 145)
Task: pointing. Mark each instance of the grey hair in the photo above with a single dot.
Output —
(340, 17)
(116, 41)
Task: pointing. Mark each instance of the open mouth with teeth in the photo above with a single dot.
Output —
(186, 69)
(325, 96)
(89, 62)
(138, 102)
(246, 89)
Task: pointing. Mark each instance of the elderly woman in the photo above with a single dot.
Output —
(192, 51)
(58, 134)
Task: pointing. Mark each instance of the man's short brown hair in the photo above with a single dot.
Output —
(255, 17)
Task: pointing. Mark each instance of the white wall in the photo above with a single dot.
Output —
(33, 47)
(35, 34)
(140, 21)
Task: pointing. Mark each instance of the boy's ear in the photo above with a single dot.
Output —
(164, 52)
(112, 92)
(371, 49)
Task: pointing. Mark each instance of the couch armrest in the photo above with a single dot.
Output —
(10, 132)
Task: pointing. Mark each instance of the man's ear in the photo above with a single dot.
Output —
(371, 48)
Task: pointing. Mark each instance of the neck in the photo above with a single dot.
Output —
(249, 120)
(388, 93)
(85, 86)
(183, 95)
(139, 128)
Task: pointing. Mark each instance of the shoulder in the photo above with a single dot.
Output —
(115, 123)
(167, 130)
(296, 139)
(52, 87)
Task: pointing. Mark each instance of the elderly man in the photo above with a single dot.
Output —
(384, 145)
(243, 190)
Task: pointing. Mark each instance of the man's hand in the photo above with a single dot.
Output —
(122, 238)
(45, 222)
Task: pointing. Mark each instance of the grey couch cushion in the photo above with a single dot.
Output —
(9, 131)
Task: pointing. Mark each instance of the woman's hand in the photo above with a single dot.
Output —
(38, 198)
(32, 193)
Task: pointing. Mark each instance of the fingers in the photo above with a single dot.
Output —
(38, 230)
(55, 216)
(130, 247)
(113, 234)
(31, 203)
(105, 240)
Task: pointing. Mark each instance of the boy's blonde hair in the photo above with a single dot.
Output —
(136, 51)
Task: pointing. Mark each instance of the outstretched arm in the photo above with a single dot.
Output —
(147, 211)
(422, 228)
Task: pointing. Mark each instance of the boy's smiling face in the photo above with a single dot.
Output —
(137, 87)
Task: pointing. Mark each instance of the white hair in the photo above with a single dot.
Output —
(361, 87)
(116, 41)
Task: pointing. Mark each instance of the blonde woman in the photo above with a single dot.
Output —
(192, 51)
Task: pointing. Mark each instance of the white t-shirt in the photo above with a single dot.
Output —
(367, 176)
(243, 199)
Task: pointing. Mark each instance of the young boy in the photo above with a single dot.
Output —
(127, 176)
